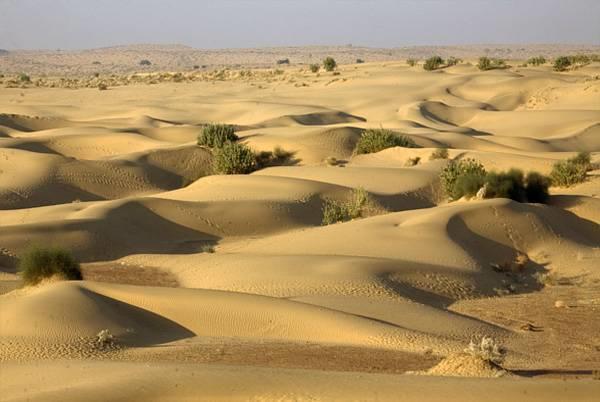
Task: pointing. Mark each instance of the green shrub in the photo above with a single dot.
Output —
(24, 77)
(509, 184)
(536, 188)
(314, 68)
(44, 262)
(375, 140)
(216, 135)
(440, 153)
(572, 171)
(467, 185)
(562, 63)
(485, 63)
(342, 211)
(433, 63)
(537, 61)
(452, 61)
(459, 168)
(234, 158)
(329, 64)
(411, 62)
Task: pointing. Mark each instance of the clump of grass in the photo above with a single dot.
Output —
(358, 205)
(433, 63)
(234, 158)
(468, 178)
(439, 153)
(459, 177)
(314, 68)
(375, 140)
(413, 161)
(571, 171)
(487, 349)
(39, 263)
(278, 156)
(329, 64)
(216, 135)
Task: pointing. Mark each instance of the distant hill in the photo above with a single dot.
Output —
(126, 58)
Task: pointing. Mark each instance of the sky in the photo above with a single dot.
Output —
(81, 24)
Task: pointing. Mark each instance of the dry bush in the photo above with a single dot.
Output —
(39, 263)
(440, 153)
(487, 349)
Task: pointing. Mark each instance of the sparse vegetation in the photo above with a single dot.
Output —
(411, 62)
(102, 86)
(105, 339)
(216, 135)
(314, 68)
(433, 63)
(485, 63)
(571, 171)
(39, 263)
(278, 156)
(359, 61)
(487, 349)
(375, 140)
(468, 178)
(329, 64)
(452, 61)
(537, 61)
(359, 205)
(561, 63)
(459, 177)
(24, 78)
(440, 153)
(283, 61)
(145, 62)
(413, 161)
(234, 158)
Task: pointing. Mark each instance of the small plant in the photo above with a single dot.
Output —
(536, 187)
(105, 339)
(314, 68)
(39, 263)
(375, 140)
(283, 61)
(24, 77)
(561, 63)
(485, 63)
(216, 135)
(329, 64)
(487, 349)
(470, 172)
(572, 171)
(234, 158)
(537, 61)
(452, 61)
(276, 157)
(145, 62)
(440, 153)
(413, 161)
(433, 63)
(102, 86)
(341, 211)
(359, 61)
(411, 62)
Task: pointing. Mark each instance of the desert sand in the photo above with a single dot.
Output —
(229, 287)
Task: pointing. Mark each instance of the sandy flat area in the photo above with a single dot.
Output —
(230, 288)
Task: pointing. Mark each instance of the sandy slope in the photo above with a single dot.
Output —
(269, 303)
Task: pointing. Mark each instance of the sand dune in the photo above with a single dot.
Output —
(266, 301)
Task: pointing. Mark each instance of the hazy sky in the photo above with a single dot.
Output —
(68, 24)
